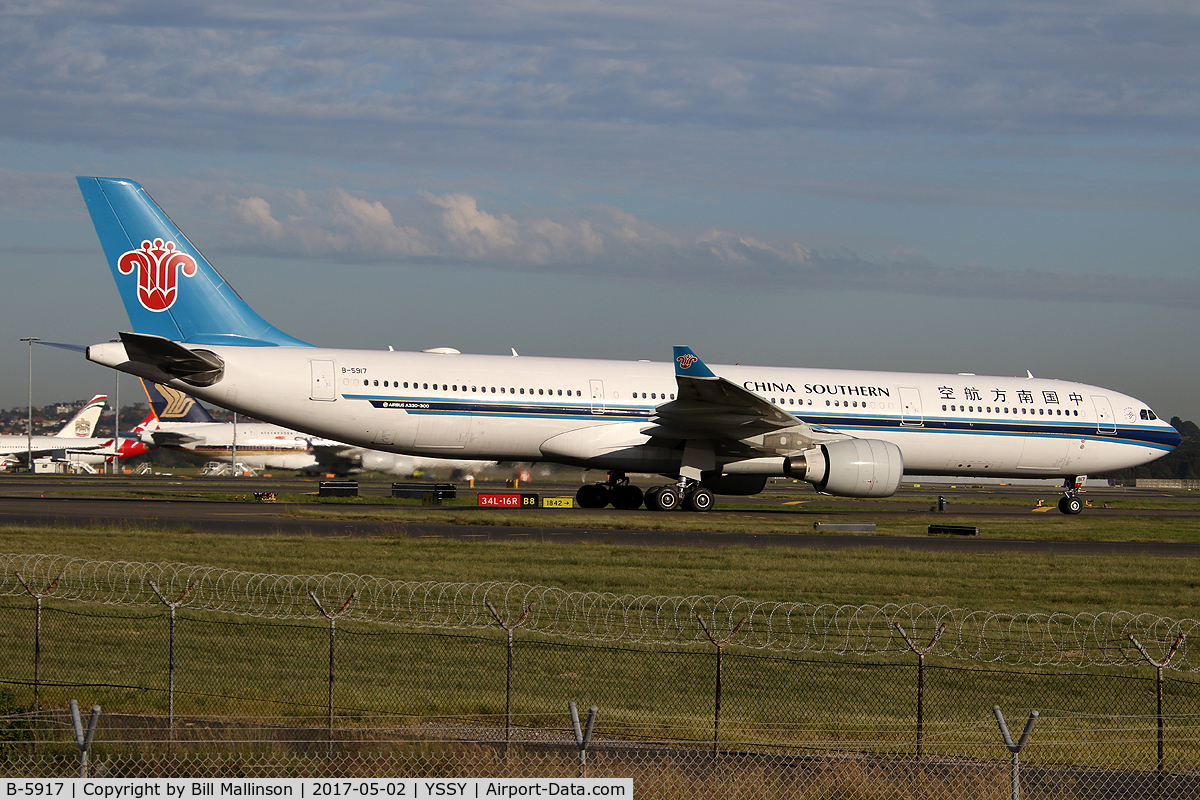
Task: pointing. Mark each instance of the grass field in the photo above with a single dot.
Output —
(256, 669)
(1003, 582)
(769, 520)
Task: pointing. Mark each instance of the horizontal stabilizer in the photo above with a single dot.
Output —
(195, 367)
(78, 348)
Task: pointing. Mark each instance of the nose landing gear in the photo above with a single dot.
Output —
(1071, 503)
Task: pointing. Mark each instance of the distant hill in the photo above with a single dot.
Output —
(1184, 462)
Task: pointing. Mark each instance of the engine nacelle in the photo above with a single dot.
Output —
(850, 468)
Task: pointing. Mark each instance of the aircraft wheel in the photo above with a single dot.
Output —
(700, 499)
(1070, 505)
(627, 497)
(651, 498)
(592, 495)
(663, 498)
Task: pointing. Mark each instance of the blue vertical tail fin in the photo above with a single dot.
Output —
(168, 287)
(172, 405)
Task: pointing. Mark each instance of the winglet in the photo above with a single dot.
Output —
(689, 365)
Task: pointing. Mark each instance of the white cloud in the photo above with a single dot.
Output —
(371, 227)
(473, 232)
(256, 212)
(338, 224)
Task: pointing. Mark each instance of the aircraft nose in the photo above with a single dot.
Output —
(1174, 438)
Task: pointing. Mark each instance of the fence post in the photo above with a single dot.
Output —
(720, 645)
(582, 737)
(1015, 749)
(921, 653)
(508, 683)
(1159, 666)
(332, 617)
(37, 634)
(171, 654)
(82, 741)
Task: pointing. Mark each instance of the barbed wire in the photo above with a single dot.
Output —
(1049, 639)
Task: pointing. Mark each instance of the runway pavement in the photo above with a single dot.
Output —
(257, 519)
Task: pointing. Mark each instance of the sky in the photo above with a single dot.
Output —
(987, 187)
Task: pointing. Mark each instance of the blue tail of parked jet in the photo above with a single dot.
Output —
(168, 288)
(172, 405)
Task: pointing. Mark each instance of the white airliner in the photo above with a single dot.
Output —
(722, 429)
(181, 423)
(74, 442)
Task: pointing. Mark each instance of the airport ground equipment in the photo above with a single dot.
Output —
(337, 489)
(432, 492)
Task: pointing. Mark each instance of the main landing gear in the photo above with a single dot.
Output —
(618, 491)
(1071, 502)
(688, 494)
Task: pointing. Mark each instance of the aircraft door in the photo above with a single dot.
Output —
(910, 406)
(323, 384)
(597, 396)
(1105, 421)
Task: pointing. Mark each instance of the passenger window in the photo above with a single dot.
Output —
(560, 392)
(540, 391)
(522, 390)
(425, 386)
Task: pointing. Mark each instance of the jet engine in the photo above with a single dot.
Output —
(850, 468)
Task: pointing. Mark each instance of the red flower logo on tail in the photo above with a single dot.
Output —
(686, 360)
(157, 266)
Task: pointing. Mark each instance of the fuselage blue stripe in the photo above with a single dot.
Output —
(1156, 438)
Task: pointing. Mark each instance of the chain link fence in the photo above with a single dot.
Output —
(206, 672)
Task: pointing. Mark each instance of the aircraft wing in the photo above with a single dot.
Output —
(709, 406)
(161, 438)
(334, 456)
(59, 452)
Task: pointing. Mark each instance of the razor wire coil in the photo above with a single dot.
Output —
(1040, 639)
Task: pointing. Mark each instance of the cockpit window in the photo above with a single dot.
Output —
(1148, 414)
